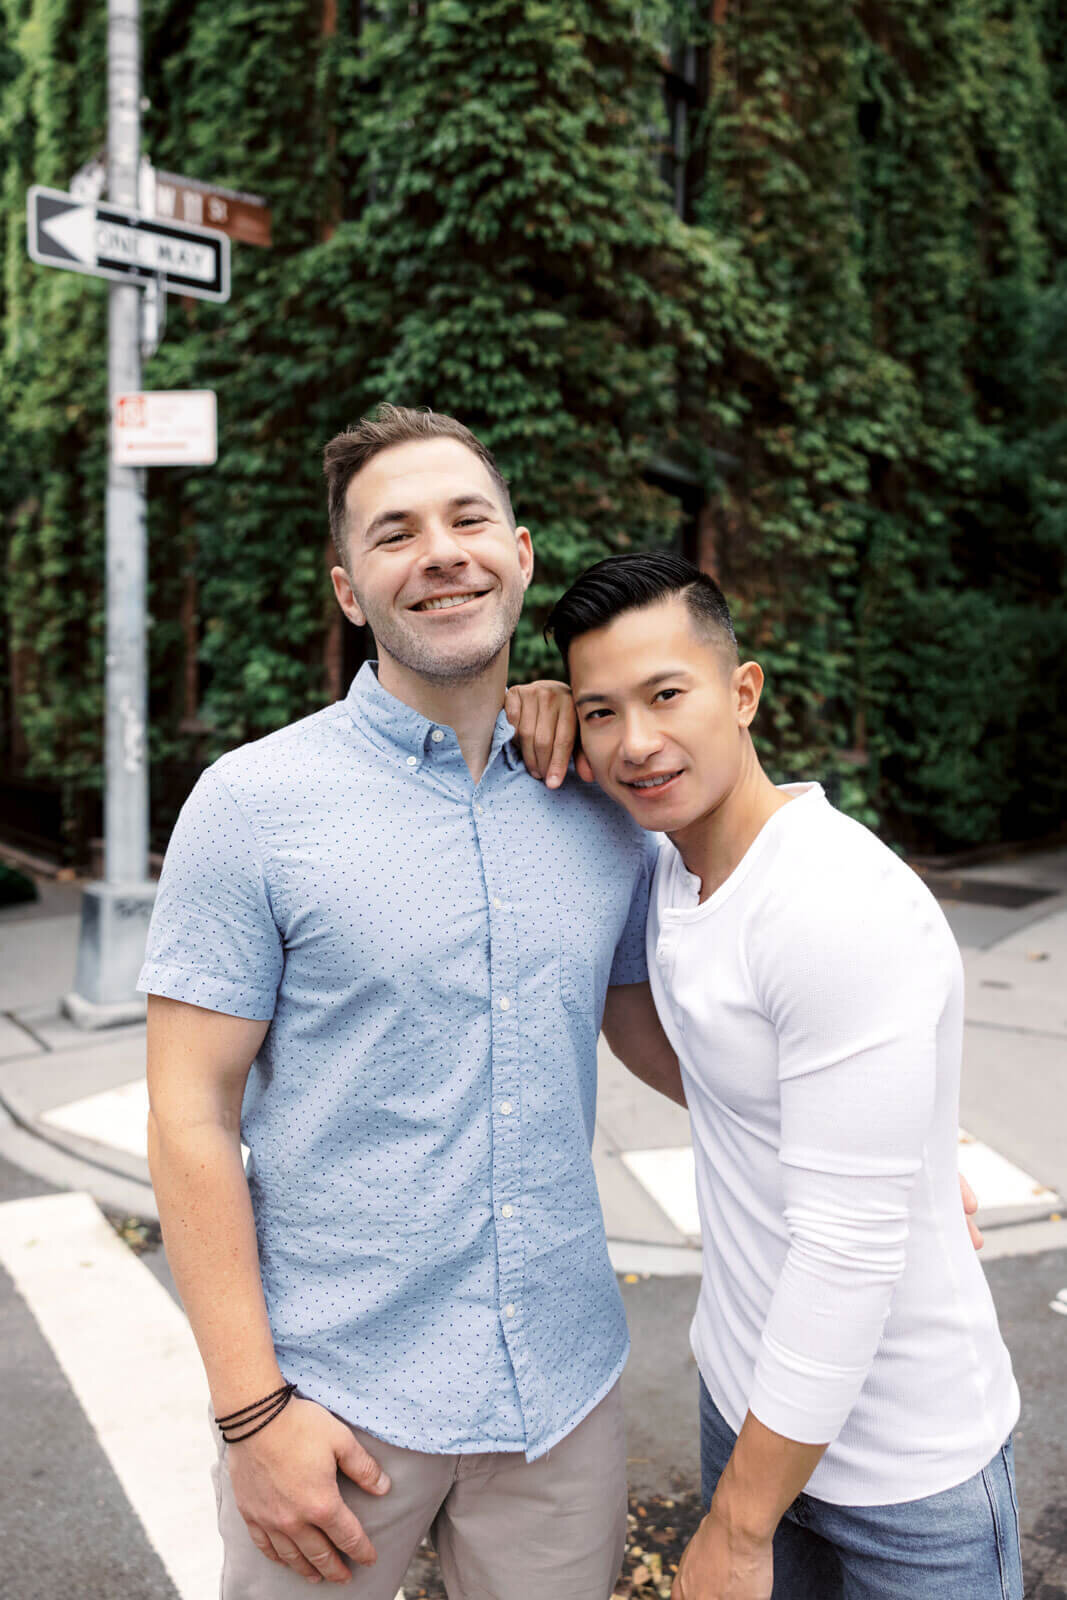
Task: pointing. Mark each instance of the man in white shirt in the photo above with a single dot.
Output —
(857, 1399)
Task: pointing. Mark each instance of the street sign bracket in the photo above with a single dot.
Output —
(153, 315)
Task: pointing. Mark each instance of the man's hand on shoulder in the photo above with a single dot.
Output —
(285, 1484)
(546, 726)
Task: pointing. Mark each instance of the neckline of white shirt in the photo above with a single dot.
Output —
(685, 882)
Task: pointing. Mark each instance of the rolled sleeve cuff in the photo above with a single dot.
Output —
(802, 1401)
(207, 990)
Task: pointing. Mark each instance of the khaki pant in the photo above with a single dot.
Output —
(503, 1528)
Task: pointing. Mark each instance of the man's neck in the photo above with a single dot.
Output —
(468, 706)
(714, 845)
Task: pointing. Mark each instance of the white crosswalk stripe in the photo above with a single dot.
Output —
(129, 1356)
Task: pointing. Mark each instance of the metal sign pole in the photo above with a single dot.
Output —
(115, 913)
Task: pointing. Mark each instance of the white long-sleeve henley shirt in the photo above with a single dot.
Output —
(815, 1001)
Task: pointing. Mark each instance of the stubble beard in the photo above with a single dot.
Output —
(443, 666)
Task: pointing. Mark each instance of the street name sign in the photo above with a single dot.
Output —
(245, 217)
(109, 241)
(165, 428)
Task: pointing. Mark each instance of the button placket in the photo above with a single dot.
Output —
(506, 1103)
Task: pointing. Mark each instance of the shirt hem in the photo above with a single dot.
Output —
(469, 1447)
(846, 1485)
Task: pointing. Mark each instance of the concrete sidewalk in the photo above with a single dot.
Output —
(72, 1104)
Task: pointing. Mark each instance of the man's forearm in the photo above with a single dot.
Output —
(206, 1215)
(762, 1478)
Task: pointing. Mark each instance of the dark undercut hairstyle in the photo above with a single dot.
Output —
(631, 582)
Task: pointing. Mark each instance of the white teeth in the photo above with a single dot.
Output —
(653, 783)
(445, 600)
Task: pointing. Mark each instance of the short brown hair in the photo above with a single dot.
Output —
(385, 426)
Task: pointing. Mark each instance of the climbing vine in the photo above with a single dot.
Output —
(854, 347)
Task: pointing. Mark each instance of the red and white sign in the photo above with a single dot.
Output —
(165, 428)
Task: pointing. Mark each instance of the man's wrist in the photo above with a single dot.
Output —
(746, 1518)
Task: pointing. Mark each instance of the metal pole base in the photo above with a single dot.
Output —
(110, 953)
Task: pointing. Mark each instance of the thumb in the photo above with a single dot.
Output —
(357, 1464)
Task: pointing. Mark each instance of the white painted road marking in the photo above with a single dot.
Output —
(997, 1182)
(669, 1175)
(129, 1356)
(118, 1117)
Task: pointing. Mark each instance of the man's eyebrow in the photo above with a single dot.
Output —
(462, 500)
(392, 519)
(385, 519)
(647, 683)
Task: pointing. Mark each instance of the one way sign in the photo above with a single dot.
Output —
(110, 242)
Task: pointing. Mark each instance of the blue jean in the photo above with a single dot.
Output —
(962, 1544)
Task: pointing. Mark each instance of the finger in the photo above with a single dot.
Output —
(529, 720)
(566, 728)
(347, 1533)
(970, 1199)
(521, 711)
(323, 1557)
(263, 1544)
(291, 1556)
(582, 767)
(545, 734)
(977, 1237)
(359, 1465)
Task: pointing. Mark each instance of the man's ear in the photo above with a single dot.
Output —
(526, 555)
(346, 599)
(748, 686)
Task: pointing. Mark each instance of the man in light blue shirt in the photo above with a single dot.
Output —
(381, 954)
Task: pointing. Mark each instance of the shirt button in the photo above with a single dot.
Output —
(507, 1211)
(505, 1108)
(498, 905)
(413, 761)
(437, 736)
(509, 1310)
(480, 810)
(505, 1003)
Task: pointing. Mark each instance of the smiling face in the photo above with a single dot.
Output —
(663, 713)
(434, 565)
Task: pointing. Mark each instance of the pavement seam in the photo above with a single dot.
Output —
(24, 1027)
(1014, 1027)
(57, 1142)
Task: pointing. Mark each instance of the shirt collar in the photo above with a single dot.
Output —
(402, 727)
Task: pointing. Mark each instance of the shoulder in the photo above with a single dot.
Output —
(588, 808)
(281, 755)
(836, 896)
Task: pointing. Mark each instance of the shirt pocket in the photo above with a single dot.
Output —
(582, 931)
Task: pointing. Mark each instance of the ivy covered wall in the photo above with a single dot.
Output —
(855, 347)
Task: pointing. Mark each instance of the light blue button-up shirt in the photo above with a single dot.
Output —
(433, 956)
